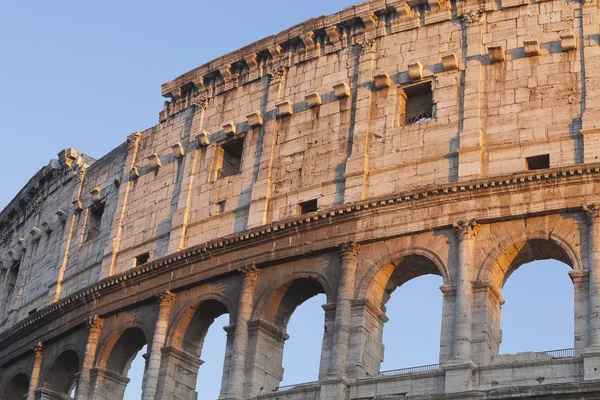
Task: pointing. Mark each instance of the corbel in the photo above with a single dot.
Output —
(334, 34)
(35, 233)
(154, 161)
(46, 227)
(77, 205)
(382, 81)
(309, 41)
(450, 62)
(568, 42)
(341, 90)
(531, 47)
(229, 128)
(497, 54)
(134, 173)
(255, 119)
(203, 139)
(178, 151)
(284, 108)
(313, 100)
(96, 194)
(415, 71)
(61, 216)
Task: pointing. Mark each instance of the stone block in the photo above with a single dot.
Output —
(284, 109)
(531, 47)
(415, 71)
(382, 81)
(450, 62)
(497, 54)
(568, 42)
(313, 100)
(154, 161)
(203, 139)
(341, 90)
(229, 128)
(178, 151)
(255, 119)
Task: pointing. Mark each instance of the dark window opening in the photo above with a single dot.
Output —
(13, 274)
(416, 104)
(221, 207)
(307, 207)
(94, 220)
(537, 162)
(229, 160)
(31, 312)
(142, 259)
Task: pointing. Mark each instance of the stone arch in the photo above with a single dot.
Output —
(61, 377)
(521, 248)
(267, 330)
(185, 343)
(118, 351)
(392, 271)
(17, 386)
(266, 296)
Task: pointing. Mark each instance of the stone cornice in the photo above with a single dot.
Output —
(418, 197)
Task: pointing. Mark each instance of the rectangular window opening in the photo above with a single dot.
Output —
(416, 104)
(221, 207)
(229, 161)
(307, 207)
(537, 162)
(94, 221)
(142, 259)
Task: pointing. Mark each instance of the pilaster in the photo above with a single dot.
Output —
(94, 326)
(35, 370)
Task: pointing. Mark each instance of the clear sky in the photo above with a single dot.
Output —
(86, 74)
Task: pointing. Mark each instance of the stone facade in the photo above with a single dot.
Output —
(344, 156)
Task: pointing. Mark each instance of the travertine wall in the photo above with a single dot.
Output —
(322, 111)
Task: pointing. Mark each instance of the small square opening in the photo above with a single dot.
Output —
(229, 160)
(537, 162)
(142, 259)
(221, 207)
(417, 104)
(307, 207)
(94, 220)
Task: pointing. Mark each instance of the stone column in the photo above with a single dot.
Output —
(464, 290)
(165, 301)
(581, 286)
(341, 333)
(460, 368)
(35, 371)
(94, 325)
(240, 338)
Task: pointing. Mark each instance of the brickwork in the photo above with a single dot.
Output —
(346, 155)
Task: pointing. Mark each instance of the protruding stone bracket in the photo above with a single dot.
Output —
(154, 161)
(334, 33)
(255, 119)
(61, 216)
(466, 229)
(382, 81)
(284, 109)
(252, 62)
(35, 233)
(249, 272)
(313, 100)
(229, 128)
(178, 151)
(67, 157)
(96, 194)
(309, 41)
(46, 227)
(77, 205)
(203, 139)
(497, 54)
(341, 90)
(415, 71)
(568, 42)
(134, 173)
(531, 47)
(450, 62)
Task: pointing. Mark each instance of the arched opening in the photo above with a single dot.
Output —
(529, 294)
(182, 368)
(532, 281)
(136, 375)
(62, 375)
(412, 334)
(122, 351)
(302, 355)
(17, 388)
(269, 333)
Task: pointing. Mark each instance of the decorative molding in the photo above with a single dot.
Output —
(466, 229)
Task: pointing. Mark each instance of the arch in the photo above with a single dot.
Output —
(107, 346)
(181, 357)
(521, 248)
(283, 283)
(401, 266)
(61, 377)
(17, 387)
(395, 259)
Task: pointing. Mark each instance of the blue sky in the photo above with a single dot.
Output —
(87, 74)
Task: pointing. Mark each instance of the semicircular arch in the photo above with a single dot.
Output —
(107, 345)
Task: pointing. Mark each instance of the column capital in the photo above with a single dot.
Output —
(579, 275)
(349, 250)
(592, 211)
(37, 348)
(249, 272)
(94, 323)
(466, 229)
(165, 298)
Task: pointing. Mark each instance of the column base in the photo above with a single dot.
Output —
(335, 389)
(458, 375)
(591, 363)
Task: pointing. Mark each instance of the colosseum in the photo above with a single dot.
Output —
(344, 156)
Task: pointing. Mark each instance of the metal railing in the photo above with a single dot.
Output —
(560, 353)
(416, 117)
(402, 371)
(296, 386)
